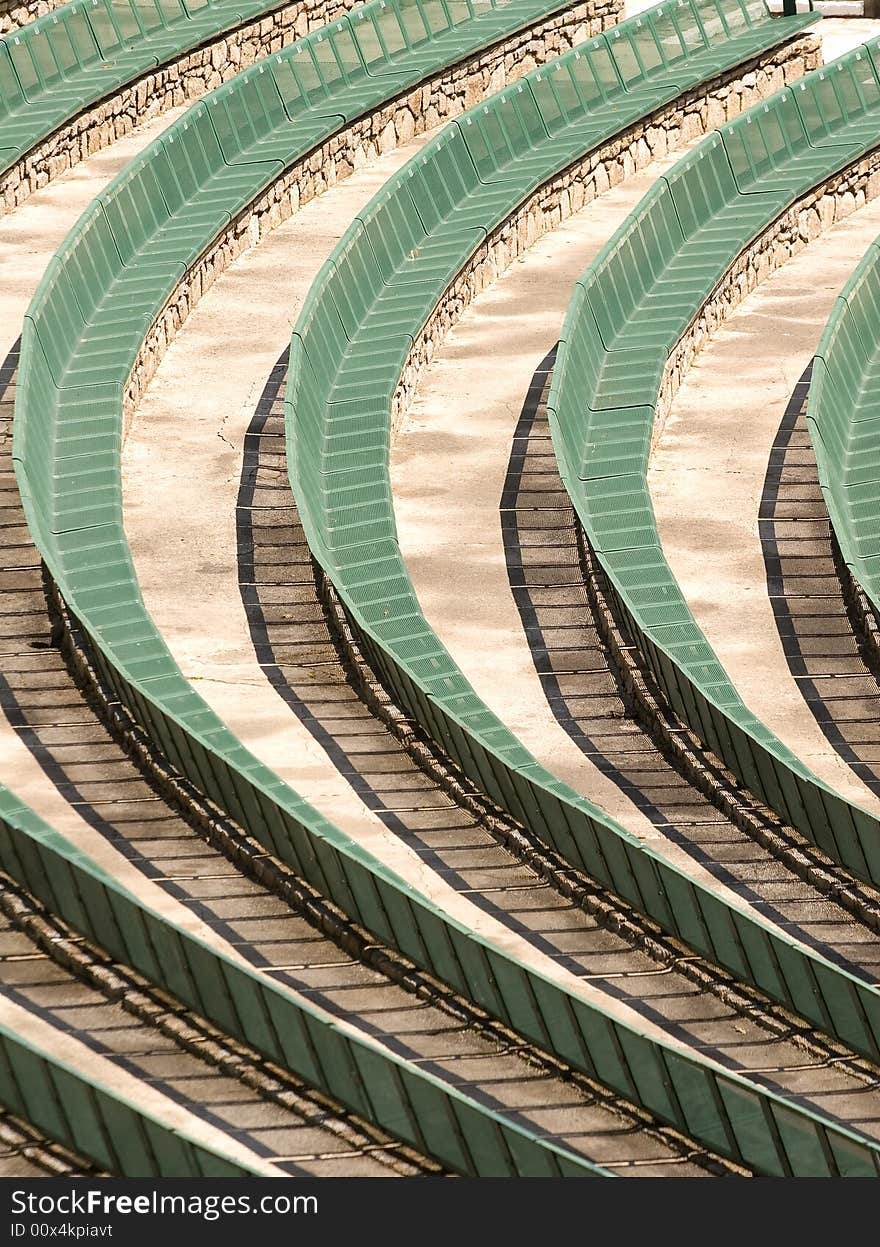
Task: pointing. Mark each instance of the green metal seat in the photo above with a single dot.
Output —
(843, 417)
(836, 102)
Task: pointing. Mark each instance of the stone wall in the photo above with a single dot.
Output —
(15, 13)
(170, 85)
(192, 76)
(688, 117)
(440, 99)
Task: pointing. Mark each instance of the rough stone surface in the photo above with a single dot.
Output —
(16, 13)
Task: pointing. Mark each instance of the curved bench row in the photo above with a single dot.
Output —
(83, 52)
(89, 50)
(351, 344)
(410, 1103)
(97, 1122)
(630, 310)
(67, 446)
(843, 416)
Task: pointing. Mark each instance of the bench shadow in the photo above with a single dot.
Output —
(779, 492)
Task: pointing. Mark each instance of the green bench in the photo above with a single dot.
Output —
(756, 1127)
(83, 52)
(81, 337)
(842, 417)
(95, 1121)
(630, 309)
(64, 63)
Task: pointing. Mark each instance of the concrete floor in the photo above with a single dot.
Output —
(449, 462)
(840, 34)
(707, 475)
(448, 466)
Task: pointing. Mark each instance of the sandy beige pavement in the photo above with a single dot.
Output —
(180, 508)
(448, 467)
(839, 35)
(707, 475)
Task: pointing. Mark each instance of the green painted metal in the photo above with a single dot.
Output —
(842, 416)
(97, 1122)
(81, 337)
(59, 65)
(630, 309)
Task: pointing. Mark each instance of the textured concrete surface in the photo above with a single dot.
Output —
(201, 402)
(449, 462)
(707, 475)
(839, 34)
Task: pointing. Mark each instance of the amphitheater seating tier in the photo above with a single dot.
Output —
(60, 65)
(69, 416)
